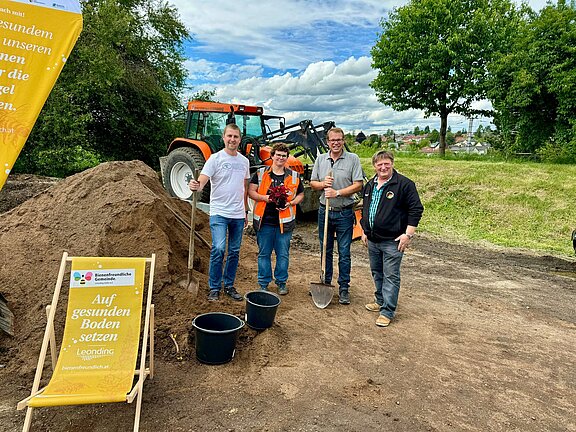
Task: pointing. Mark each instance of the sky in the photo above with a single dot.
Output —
(302, 59)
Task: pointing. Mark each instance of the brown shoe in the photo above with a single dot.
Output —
(383, 321)
(373, 307)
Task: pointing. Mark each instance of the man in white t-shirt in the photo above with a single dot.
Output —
(228, 172)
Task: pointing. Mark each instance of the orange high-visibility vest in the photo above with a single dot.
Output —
(291, 182)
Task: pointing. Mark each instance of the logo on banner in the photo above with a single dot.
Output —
(92, 278)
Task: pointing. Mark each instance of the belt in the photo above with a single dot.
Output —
(338, 209)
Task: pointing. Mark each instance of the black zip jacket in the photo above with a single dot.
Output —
(399, 207)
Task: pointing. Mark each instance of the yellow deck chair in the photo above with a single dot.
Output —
(99, 350)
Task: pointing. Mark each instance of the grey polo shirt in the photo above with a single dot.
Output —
(345, 170)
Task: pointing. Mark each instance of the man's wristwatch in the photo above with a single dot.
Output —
(337, 193)
(410, 236)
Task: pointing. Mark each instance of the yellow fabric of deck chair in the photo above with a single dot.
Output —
(99, 350)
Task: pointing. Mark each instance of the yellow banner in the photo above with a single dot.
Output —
(36, 38)
(100, 344)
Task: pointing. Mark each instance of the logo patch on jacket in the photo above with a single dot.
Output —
(389, 194)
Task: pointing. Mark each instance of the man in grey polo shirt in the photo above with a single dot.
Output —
(340, 187)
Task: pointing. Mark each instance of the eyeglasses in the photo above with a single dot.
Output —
(283, 156)
(335, 140)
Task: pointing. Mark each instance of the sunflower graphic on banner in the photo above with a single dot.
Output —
(36, 38)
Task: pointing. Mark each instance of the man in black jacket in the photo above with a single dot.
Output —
(390, 214)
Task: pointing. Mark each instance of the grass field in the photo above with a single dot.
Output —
(522, 205)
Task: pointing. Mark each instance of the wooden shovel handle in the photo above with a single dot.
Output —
(326, 211)
(193, 223)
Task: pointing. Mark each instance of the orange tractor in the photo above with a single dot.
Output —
(205, 123)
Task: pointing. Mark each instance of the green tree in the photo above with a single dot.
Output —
(479, 132)
(417, 131)
(432, 55)
(450, 139)
(349, 139)
(534, 87)
(117, 94)
(373, 139)
(204, 95)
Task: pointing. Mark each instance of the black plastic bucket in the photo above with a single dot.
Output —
(261, 307)
(216, 334)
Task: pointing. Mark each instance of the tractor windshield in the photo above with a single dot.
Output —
(251, 126)
(214, 124)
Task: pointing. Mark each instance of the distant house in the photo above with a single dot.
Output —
(470, 148)
(430, 150)
(411, 138)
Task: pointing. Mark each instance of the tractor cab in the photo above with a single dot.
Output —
(206, 122)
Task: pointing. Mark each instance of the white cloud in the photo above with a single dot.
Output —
(324, 91)
(328, 91)
(204, 70)
(287, 55)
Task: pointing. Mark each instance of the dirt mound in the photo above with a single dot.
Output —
(115, 209)
(22, 187)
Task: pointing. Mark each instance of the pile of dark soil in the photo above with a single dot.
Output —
(115, 209)
(22, 187)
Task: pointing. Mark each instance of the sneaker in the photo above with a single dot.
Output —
(231, 291)
(383, 321)
(344, 298)
(373, 307)
(263, 288)
(282, 290)
(213, 295)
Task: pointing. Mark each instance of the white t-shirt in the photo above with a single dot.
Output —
(228, 175)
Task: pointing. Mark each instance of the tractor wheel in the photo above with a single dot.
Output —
(180, 167)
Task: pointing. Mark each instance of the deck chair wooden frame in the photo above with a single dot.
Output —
(49, 341)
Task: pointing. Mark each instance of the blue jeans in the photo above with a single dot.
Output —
(219, 227)
(385, 260)
(270, 239)
(341, 223)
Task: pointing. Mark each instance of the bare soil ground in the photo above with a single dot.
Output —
(484, 339)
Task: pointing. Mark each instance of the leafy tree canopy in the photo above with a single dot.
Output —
(533, 89)
(432, 55)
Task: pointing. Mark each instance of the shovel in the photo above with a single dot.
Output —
(322, 292)
(192, 282)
